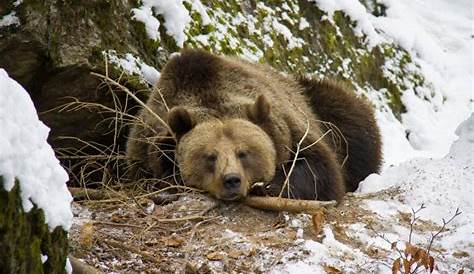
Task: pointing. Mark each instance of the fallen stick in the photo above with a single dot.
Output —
(283, 204)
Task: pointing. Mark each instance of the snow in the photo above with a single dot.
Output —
(356, 11)
(173, 11)
(68, 266)
(9, 20)
(437, 34)
(324, 253)
(17, 3)
(175, 14)
(283, 30)
(25, 155)
(303, 24)
(441, 185)
(133, 65)
(201, 9)
(44, 258)
(429, 154)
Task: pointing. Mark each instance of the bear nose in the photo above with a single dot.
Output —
(231, 181)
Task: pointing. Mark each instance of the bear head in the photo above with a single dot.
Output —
(224, 157)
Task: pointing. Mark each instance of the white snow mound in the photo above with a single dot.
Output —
(25, 155)
(442, 185)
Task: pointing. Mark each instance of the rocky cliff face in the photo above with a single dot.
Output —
(51, 47)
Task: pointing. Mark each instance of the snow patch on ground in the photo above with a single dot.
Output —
(328, 253)
(442, 185)
(25, 155)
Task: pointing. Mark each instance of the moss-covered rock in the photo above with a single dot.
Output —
(25, 238)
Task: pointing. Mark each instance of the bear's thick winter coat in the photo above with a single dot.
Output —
(235, 123)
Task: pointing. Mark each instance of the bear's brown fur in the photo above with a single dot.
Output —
(237, 123)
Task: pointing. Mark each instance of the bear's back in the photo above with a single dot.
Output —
(213, 86)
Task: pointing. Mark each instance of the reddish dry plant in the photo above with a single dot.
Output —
(413, 258)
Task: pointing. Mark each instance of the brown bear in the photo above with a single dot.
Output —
(226, 124)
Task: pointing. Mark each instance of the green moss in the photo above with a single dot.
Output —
(327, 48)
(24, 236)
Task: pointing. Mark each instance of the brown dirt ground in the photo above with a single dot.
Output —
(196, 234)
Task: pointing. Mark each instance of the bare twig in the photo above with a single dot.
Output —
(296, 153)
(414, 218)
(442, 229)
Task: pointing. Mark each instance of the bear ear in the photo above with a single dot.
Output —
(180, 121)
(260, 110)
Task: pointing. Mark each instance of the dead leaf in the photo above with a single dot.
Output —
(318, 221)
(116, 219)
(396, 266)
(460, 254)
(190, 268)
(410, 249)
(461, 271)
(174, 241)
(234, 254)
(394, 245)
(215, 256)
(291, 234)
(331, 270)
(86, 236)
(418, 255)
(406, 266)
(431, 264)
(252, 252)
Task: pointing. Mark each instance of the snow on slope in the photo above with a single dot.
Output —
(442, 185)
(26, 156)
(437, 34)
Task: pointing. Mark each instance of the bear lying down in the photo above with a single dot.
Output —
(232, 123)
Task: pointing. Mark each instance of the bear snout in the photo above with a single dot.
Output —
(232, 181)
(231, 187)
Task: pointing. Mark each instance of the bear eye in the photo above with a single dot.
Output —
(211, 158)
(242, 155)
